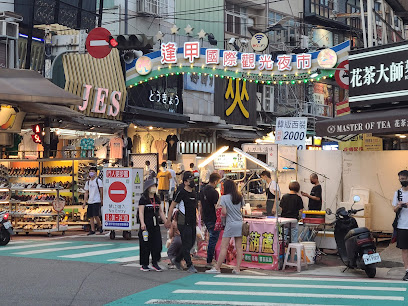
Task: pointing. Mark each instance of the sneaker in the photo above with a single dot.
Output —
(405, 278)
(156, 267)
(213, 270)
(236, 271)
(91, 233)
(176, 264)
(145, 268)
(192, 269)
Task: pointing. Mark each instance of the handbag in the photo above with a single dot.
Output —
(397, 214)
(245, 228)
(219, 224)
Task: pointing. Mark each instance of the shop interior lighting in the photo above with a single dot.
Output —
(255, 160)
(213, 156)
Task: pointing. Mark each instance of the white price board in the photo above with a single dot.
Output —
(291, 131)
(137, 179)
(117, 198)
(229, 161)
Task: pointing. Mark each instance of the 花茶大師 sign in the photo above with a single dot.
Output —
(172, 59)
(379, 75)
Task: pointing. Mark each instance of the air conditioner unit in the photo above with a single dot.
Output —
(258, 101)
(268, 98)
(150, 7)
(8, 29)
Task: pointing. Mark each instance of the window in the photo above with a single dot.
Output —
(322, 7)
(237, 19)
(286, 36)
(353, 6)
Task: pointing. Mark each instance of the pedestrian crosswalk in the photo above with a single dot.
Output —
(229, 289)
(86, 251)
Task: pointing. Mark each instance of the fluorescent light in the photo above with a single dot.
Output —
(402, 136)
(213, 156)
(253, 159)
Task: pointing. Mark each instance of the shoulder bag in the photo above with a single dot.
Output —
(245, 224)
(395, 223)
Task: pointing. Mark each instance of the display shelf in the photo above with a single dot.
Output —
(22, 176)
(37, 189)
(33, 222)
(50, 230)
(45, 202)
(15, 214)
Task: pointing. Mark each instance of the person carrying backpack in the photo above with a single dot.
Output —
(94, 199)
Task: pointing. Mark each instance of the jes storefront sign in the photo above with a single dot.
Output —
(101, 101)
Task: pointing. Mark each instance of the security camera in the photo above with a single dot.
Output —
(231, 41)
(130, 56)
(244, 41)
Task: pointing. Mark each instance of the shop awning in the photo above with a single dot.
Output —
(239, 135)
(140, 116)
(374, 122)
(50, 110)
(27, 86)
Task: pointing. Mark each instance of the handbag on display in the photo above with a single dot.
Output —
(245, 228)
(219, 224)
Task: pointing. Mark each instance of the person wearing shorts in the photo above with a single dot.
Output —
(94, 199)
(400, 208)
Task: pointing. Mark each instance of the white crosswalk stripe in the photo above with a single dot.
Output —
(34, 245)
(229, 303)
(102, 252)
(77, 247)
(133, 258)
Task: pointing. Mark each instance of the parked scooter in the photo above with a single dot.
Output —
(355, 245)
(6, 230)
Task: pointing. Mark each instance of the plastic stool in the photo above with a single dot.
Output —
(298, 263)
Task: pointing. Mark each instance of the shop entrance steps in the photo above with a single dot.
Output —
(299, 262)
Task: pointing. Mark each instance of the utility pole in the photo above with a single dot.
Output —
(126, 16)
(100, 13)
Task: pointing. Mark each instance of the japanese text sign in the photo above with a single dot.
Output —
(379, 75)
(291, 131)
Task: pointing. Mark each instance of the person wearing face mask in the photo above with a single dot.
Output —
(148, 218)
(186, 202)
(400, 208)
(271, 191)
(315, 196)
(94, 199)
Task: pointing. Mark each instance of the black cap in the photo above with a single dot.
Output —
(187, 175)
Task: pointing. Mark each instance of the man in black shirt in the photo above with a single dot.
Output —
(186, 202)
(292, 206)
(208, 200)
(315, 196)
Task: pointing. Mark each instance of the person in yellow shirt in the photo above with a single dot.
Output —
(163, 178)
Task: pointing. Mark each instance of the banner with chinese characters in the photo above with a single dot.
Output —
(260, 247)
(122, 188)
(192, 58)
(379, 75)
(291, 131)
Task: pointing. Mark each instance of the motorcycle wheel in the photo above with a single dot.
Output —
(371, 270)
(4, 237)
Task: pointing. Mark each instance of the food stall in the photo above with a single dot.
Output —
(264, 247)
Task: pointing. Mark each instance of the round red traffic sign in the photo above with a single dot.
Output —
(97, 43)
(342, 73)
(117, 192)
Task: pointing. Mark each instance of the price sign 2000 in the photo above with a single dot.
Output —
(293, 135)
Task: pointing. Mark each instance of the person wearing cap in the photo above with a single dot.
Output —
(186, 202)
(148, 217)
(94, 199)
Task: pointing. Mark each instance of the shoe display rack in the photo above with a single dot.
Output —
(28, 188)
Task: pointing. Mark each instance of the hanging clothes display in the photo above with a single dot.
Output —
(116, 147)
(137, 144)
(160, 145)
(148, 138)
(172, 141)
(87, 147)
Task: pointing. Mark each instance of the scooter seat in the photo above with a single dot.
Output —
(356, 231)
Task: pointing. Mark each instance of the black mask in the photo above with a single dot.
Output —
(404, 183)
(191, 184)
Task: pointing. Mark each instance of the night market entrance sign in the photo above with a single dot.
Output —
(287, 68)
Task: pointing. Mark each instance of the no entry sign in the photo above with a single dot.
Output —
(117, 192)
(97, 43)
(342, 74)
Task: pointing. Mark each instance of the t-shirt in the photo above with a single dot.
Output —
(172, 147)
(291, 204)
(151, 211)
(87, 146)
(116, 148)
(317, 192)
(187, 205)
(172, 179)
(233, 210)
(403, 218)
(271, 191)
(164, 180)
(209, 198)
(94, 194)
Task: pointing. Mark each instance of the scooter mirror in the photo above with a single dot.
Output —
(356, 199)
(329, 211)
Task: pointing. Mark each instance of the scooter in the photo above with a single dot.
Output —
(355, 245)
(6, 230)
